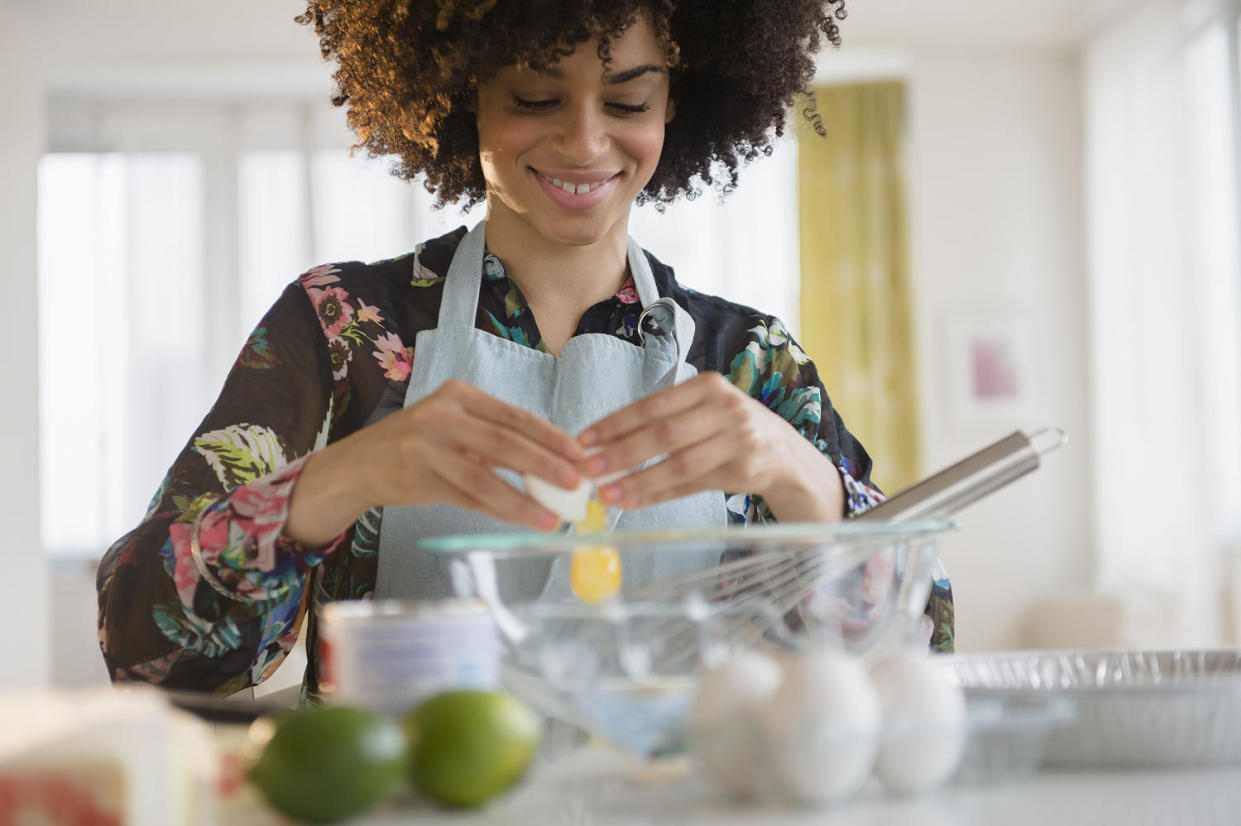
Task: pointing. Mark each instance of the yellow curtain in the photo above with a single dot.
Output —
(855, 297)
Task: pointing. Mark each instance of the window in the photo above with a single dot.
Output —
(1213, 239)
(1162, 139)
(100, 297)
(167, 229)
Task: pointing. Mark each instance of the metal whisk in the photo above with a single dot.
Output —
(846, 592)
(784, 580)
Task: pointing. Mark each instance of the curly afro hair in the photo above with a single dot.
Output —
(408, 70)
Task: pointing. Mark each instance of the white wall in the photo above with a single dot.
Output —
(996, 211)
(996, 222)
(24, 607)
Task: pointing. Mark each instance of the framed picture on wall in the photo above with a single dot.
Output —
(990, 369)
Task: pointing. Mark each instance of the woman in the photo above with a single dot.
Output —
(374, 403)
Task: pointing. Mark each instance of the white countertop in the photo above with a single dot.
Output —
(598, 787)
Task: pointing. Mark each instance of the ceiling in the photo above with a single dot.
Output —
(978, 24)
(85, 43)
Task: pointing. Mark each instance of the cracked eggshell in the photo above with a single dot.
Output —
(569, 505)
(822, 728)
(725, 737)
(924, 723)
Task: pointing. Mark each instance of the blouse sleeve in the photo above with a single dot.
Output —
(204, 593)
(773, 369)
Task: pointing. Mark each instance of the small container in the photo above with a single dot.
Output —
(1007, 735)
(388, 655)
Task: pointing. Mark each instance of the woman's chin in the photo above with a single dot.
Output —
(582, 230)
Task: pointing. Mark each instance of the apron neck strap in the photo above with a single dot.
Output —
(459, 306)
(666, 313)
(643, 278)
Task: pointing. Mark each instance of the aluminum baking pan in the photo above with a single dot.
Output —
(1134, 708)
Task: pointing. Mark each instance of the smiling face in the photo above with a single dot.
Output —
(565, 149)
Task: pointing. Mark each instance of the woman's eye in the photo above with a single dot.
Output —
(630, 108)
(533, 105)
(544, 104)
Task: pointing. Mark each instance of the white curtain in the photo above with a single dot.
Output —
(1165, 307)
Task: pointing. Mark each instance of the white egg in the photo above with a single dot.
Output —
(739, 685)
(725, 739)
(569, 505)
(822, 728)
(924, 723)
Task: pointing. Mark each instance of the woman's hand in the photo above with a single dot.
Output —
(715, 437)
(441, 450)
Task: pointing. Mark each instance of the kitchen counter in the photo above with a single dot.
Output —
(597, 787)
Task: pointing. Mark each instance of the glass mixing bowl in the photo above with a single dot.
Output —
(626, 668)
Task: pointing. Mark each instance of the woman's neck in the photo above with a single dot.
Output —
(559, 280)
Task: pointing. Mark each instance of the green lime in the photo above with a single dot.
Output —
(328, 763)
(466, 747)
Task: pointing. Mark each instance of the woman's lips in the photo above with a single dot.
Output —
(574, 200)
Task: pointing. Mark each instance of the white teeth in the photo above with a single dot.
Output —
(579, 189)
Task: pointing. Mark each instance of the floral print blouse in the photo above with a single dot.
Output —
(205, 593)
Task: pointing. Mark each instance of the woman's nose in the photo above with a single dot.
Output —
(583, 134)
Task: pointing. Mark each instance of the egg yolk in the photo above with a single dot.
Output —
(595, 520)
(594, 572)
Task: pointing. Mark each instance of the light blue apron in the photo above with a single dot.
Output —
(594, 375)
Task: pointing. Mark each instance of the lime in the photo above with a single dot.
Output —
(328, 763)
(466, 747)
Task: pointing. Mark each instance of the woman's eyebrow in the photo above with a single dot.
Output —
(630, 74)
(610, 80)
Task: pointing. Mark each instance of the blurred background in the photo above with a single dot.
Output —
(1025, 215)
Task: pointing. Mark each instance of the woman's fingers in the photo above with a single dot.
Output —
(700, 467)
(709, 435)
(498, 446)
(669, 436)
(512, 418)
(474, 485)
(653, 408)
(464, 499)
(446, 447)
(667, 423)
